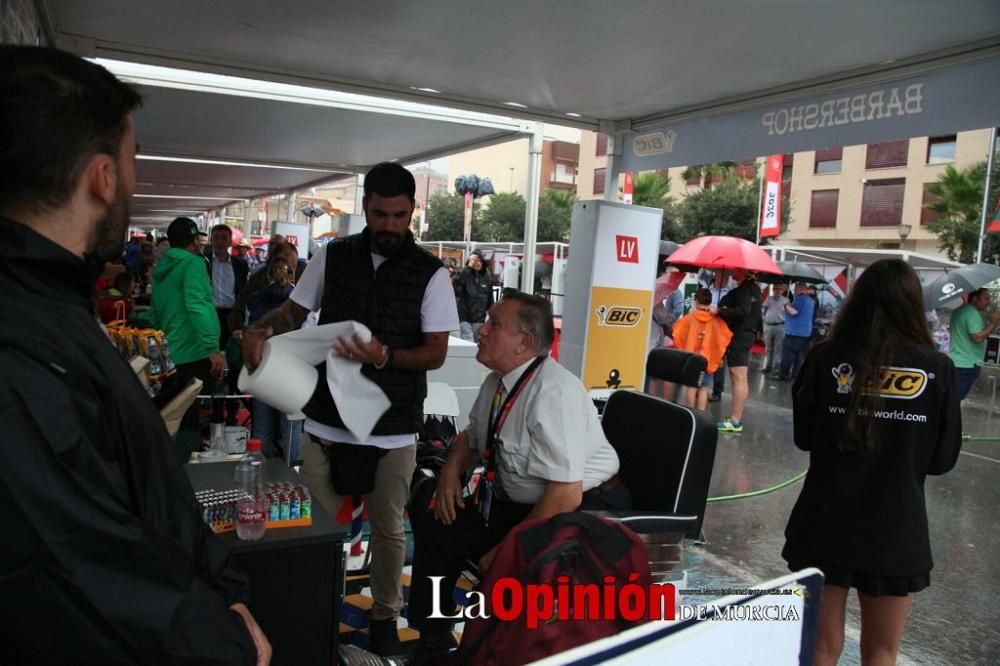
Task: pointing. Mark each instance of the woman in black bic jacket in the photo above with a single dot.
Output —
(876, 407)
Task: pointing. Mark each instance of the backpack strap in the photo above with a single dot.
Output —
(609, 540)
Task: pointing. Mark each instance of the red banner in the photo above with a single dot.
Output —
(995, 224)
(770, 209)
(627, 189)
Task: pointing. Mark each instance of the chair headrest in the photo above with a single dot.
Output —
(677, 366)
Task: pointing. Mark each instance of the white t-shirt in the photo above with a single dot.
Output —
(438, 314)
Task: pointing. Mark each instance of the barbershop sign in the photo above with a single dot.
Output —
(862, 108)
(962, 97)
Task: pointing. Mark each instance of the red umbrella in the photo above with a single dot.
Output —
(724, 252)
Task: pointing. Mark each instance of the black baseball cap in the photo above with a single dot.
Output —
(183, 230)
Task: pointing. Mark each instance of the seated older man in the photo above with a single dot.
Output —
(543, 449)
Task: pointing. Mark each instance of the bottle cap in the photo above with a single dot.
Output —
(254, 445)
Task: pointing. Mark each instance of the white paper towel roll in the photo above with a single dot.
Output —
(282, 380)
(286, 376)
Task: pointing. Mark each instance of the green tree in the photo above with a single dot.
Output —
(651, 189)
(445, 217)
(502, 220)
(555, 211)
(730, 209)
(959, 202)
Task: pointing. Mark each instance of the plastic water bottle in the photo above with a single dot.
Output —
(251, 508)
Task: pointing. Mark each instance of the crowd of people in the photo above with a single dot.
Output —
(725, 322)
(107, 554)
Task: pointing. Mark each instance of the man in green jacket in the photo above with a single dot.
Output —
(183, 308)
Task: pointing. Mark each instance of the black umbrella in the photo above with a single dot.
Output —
(792, 271)
(668, 247)
(959, 282)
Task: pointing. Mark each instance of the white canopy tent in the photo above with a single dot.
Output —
(857, 257)
(208, 140)
(629, 70)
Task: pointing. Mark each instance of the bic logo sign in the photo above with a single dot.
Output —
(619, 316)
(655, 143)
(893, 382)
(905, 383)
(628, 249)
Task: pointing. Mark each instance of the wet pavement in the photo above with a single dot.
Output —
(954, 620)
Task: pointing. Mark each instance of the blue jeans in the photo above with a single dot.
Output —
(272, 427)
(793, 351)
(966, 379)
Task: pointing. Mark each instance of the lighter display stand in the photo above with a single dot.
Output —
(609, 294)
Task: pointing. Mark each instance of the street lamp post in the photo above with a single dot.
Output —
(904, 232)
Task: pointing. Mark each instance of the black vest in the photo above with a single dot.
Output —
(388, 302)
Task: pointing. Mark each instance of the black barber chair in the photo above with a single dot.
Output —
(666, 453)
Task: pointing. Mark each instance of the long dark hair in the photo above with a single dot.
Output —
(882, 317)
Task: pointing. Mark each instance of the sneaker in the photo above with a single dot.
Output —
(383, 638)
(715, 397)
(729, 425)
(765, 369)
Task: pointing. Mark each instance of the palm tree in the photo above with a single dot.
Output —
(562, 199)
(555, 211)
(651, 189)
(708, 174)
(959, 203)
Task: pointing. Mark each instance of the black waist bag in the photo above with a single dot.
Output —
(352, 467)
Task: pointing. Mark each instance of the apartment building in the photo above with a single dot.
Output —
(859, 196)
(854, 196)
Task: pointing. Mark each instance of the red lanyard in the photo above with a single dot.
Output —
(501, 416)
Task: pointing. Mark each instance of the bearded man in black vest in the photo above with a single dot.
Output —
(382, 279)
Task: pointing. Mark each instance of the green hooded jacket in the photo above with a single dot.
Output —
(182, 306)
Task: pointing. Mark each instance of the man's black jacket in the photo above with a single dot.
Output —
(105, 557)
(741, 309)
(474, 291)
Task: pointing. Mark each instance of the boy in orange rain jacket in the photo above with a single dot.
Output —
(703, 333)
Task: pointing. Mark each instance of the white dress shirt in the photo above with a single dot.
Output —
(551, 433)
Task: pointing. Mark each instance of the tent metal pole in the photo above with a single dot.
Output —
(760, 195)
(535, 145)
(986, 194)
(359, 194)
(616, 140)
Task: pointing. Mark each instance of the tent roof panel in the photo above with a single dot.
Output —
(203, 124)
(591, 57)
(242, 181)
